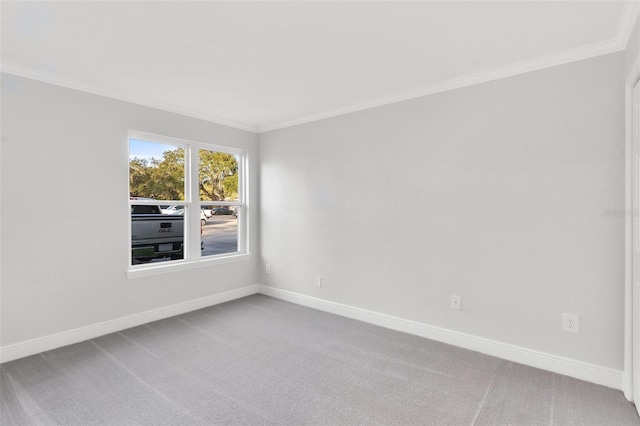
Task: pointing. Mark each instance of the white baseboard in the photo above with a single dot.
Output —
(35, 346)
(557, 364)
(569, 367)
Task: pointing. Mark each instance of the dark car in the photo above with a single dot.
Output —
(223, 210)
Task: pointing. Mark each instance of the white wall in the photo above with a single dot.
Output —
(495, 192)
(64, 211)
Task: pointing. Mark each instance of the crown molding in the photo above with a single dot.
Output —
(561, 58)
(616, 44)
(69, 83)
(628, 19)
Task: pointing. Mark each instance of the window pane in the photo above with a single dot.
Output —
(156, 170)
(218, 176)
(156, 237)
(219, 230)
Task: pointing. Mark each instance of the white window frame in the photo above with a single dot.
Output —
(192, 256)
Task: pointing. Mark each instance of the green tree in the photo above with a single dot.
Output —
(218, 176)
(139, 174)
(167, 175)
(163, 179)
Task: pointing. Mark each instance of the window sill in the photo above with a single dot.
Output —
(174, 266)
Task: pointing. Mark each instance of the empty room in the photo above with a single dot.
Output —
(320, 213)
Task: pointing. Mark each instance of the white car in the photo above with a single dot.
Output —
(171, 209)
(203, 217)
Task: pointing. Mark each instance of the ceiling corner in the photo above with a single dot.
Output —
(47, 77)
(627, 20)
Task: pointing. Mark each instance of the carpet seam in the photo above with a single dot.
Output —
(485, 397)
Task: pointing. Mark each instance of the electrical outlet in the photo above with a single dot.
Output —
(318, 281)
(570, 323)
(268, 268)
(455, 302)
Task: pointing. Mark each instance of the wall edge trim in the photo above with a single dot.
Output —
(548, 61)
(80, 334)
(537, 64)
(569, 367)
(73, 84)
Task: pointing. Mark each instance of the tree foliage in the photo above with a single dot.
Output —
(139, 177)
(218, 176)
(163, 179)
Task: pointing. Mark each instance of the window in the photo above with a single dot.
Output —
(187, 204)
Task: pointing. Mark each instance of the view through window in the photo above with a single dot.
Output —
(220, 202)
(170, 185)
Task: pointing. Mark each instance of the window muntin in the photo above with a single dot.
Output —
(179, 179)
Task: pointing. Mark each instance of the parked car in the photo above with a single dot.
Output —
(155, 235)
(223, 210)
(170, 209)
(203, 217)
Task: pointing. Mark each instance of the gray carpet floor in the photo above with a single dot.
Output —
(260, 360)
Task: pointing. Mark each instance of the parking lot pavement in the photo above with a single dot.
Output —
(220, 235)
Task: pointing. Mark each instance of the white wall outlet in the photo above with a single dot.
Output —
(318, 281)
(570, 323)
(455, 302)
(267, 268)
